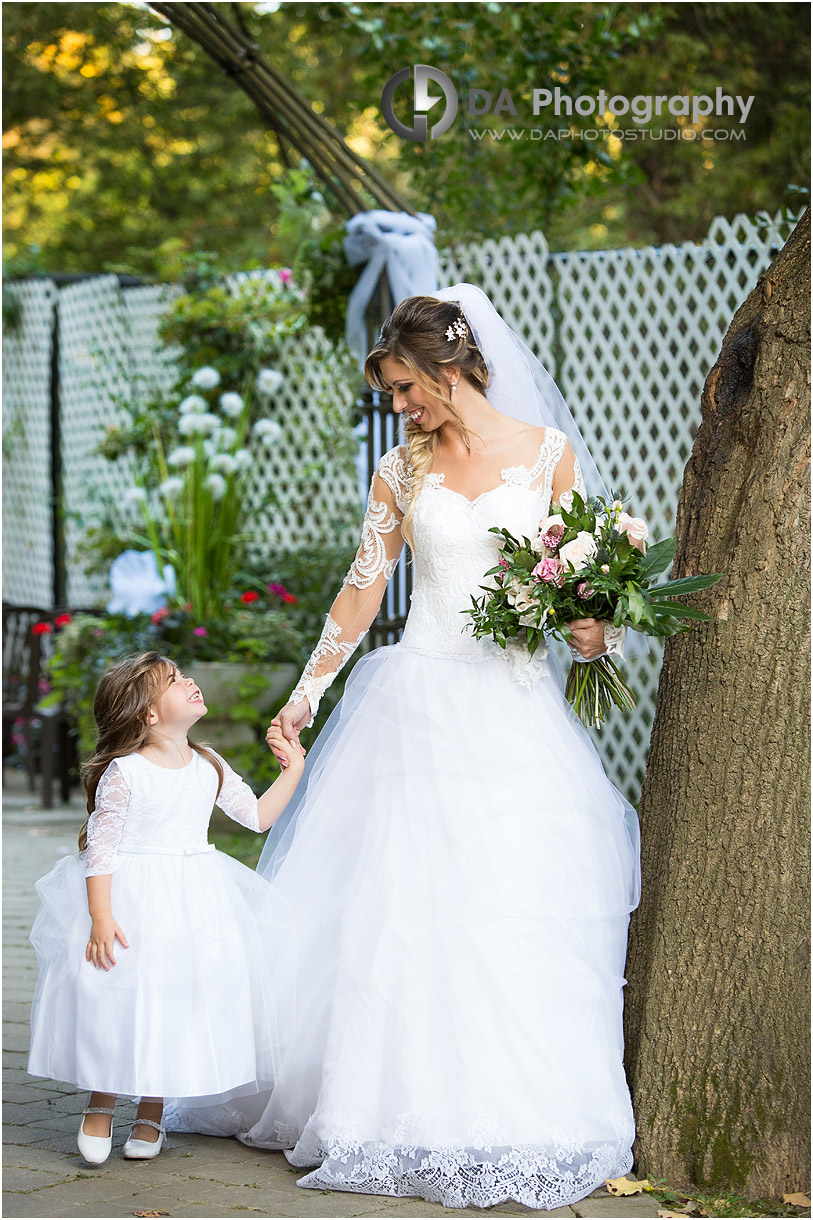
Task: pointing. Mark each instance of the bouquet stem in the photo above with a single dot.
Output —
(593, 687)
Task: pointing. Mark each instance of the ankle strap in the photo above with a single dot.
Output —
(99, 1110)
(147, 1122)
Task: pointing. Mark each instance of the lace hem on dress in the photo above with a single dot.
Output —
(454, 1176)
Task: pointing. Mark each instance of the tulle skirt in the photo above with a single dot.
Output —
(461, 874)
(193, 1007)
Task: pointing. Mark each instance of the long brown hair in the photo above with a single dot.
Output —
(415, 335)
(123, 698)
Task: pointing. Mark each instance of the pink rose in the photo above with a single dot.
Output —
(549, 570)
(635, 528)
(584, 590)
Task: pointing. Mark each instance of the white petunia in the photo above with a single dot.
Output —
(268, 381)
(171, 487)
(181, 456)
(224, 462)
(217, 486)
(134, 495)
(231, 404)
(206, 378)
(243, 459)
(268, 429)
(193, 404)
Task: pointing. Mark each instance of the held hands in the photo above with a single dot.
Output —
(104, 931)
(290, 722)
(588, 637)
(290, 756)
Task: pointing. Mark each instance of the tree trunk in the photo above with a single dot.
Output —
(717, 1021)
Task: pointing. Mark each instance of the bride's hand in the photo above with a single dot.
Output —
(291, 720)
(588, 637)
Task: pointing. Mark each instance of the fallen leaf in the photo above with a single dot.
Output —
(623, 1186)
(797, 1200)
(671, 1215)
(152, 1213)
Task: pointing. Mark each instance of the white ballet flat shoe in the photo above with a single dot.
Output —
(95, 1148)
(143, 1150)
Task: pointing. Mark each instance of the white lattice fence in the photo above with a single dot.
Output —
(638, 331)
(110, 351)
(28, 577)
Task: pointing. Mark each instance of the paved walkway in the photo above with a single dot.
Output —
(43, 1174)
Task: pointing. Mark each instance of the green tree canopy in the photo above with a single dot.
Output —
(126, 146)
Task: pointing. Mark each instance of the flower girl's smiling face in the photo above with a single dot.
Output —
(181, 703)
(409, 399)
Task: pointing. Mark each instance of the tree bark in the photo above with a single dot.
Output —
(717, 1020)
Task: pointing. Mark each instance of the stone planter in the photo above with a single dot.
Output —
(219, 682)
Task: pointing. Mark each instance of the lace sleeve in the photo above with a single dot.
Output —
(237, 800)
(106, 822)
(356, 605)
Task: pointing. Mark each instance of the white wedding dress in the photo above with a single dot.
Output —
(461, 874)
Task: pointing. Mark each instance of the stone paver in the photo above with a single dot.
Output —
(43, 1174)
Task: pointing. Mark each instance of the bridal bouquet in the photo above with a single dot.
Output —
(589, 560)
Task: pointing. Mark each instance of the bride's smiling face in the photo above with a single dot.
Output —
(409, 399)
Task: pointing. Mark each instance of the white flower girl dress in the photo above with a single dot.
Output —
(461, 873)
(193, 1006)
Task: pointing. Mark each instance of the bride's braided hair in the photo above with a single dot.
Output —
(415, 335)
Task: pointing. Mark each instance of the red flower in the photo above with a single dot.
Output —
(289, 599)
(42, 628)
(160, 614)
(62, 620)
(249, 596)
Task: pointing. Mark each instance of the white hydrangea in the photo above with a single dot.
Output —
(181, 456)
(198, 425)
(268, 381)
(193, 404)
(243, 459)
(206, 378)
(224, 462)
(231, 404)
(268, 429)
(217, 486)
(134, 495)
(171, 487)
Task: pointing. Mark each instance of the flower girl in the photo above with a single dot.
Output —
(185, 1004)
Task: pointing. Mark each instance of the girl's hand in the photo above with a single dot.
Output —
(104, 931)
(291, 720)
(588, 637)
(292, 753)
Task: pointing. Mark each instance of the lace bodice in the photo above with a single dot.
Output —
(452, 550)
(142, 807)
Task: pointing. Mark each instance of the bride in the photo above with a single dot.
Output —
(459, 869)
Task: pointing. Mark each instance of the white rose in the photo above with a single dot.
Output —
(577, 552)
(635, 528)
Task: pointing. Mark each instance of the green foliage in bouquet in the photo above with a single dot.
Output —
(584, 564)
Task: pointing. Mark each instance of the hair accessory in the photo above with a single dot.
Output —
(459, 328)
